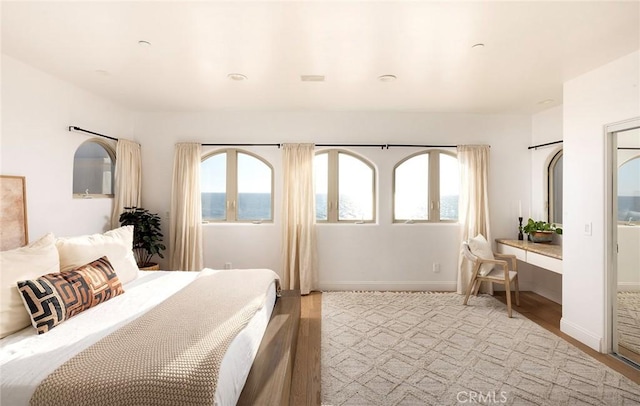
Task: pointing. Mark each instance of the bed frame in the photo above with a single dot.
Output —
(269, 380)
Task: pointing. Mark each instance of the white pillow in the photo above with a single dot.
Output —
(116, 245)
(30, 262)
(481, 248)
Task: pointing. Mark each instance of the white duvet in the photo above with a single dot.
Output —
(26, 358)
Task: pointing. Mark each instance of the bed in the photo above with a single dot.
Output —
(255, 369)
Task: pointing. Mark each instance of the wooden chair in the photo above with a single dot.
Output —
(499, 274)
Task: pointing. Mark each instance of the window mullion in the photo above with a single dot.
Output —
(232, 185)
(332, 193)
(434, 186)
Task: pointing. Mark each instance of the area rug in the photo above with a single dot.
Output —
(629, 321)
(385, 348)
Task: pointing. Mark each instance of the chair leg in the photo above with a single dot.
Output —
(472, 282)
(508, 293)
(517, 291)
(477, 287)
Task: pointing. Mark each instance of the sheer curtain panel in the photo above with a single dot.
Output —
(185, 240)
(473, 207)
(300, 270)
(128, 178)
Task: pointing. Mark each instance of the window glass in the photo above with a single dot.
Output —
(93, 169)
(449, 187)
(320, 174)
(254, 188)
(555, 189)
(236, 186)
(213, 187)
(355, 188)
(345, 187)
(629, 191)
(426, 188)
(412, 189)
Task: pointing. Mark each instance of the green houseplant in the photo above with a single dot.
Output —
(147, 238)
(541, 231)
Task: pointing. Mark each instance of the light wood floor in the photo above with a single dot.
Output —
(306, 372)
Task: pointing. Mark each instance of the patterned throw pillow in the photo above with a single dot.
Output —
(56, 297)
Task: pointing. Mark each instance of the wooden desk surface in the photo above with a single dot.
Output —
(549, 250)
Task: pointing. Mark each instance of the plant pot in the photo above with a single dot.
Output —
(150, 267)
(542, 236)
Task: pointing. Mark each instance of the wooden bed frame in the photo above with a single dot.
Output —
(269, 380)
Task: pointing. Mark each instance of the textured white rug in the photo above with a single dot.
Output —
(385, 348)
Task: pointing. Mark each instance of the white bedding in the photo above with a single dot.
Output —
(26, 358)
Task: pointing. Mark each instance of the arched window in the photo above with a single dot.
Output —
(554, 189)
(629, 191)
(93, 169)
(426, 187)
(345, 187)
(236, 186)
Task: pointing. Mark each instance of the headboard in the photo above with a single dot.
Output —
(13, 212)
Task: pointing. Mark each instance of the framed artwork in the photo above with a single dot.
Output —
(13, 212)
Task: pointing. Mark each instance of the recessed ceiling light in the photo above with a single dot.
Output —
(387, 78)
(237, 76)
(143, 43)
(479, 45)
(546, 101)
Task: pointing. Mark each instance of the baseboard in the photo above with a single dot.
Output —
(628, 287)
(580, 334)
(446, 286)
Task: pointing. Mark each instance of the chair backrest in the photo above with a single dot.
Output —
(467, 252)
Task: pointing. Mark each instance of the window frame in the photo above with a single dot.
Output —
(109, 149)
(433, 187)
(231, 194)
(333, 187)
(550, 185)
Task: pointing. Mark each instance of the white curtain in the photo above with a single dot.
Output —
(185, 242)
(299, 258)
(473, 206)
(128, 178)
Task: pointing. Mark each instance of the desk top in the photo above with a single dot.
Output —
(549, 250)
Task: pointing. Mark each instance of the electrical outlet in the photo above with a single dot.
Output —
(587, 229)
(227, 265)
(436, 267)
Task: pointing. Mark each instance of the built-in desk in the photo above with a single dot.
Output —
(548, 256)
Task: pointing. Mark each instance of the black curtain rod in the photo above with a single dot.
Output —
(544, 145)
(382, 146)
(629, 148)
(74, 128)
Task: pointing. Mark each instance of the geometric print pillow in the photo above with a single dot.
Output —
(56, 297)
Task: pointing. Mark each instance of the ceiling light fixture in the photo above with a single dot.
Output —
(101, 72)
(479, 45)
(546, 101)
(143, 43)
(387, 78)
(237, 76)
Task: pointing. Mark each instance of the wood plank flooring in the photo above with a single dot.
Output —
(306, 372)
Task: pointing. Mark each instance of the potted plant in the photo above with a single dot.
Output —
(541, 231)
(147, 238)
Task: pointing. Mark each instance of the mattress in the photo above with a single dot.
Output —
(27, 358)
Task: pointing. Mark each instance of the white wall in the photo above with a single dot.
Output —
(36, 112)
(369, 256)
(591, 101)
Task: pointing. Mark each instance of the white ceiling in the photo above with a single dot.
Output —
(531, 48)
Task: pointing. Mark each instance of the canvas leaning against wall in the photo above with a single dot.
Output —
(13, 212)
